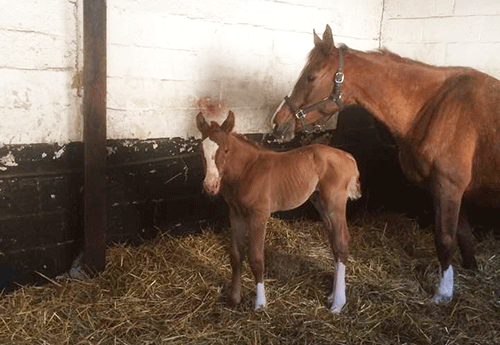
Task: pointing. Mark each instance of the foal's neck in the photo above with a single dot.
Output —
(242, 154)
(393, 89)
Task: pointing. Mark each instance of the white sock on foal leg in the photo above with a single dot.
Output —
(445, 289)
(260, 300)
(337, 297)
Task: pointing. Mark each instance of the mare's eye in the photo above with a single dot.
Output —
(311, 78)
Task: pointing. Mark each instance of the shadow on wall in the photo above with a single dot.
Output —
(252, 93)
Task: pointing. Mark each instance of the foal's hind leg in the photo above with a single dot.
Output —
(236, 251)
(466, 240)
(332, 209)
(256, 238)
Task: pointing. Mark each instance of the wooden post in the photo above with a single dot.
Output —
(94, 133)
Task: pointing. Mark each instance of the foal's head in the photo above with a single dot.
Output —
(316, 83)
(215, 147)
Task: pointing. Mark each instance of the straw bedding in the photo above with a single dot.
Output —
(172, 291)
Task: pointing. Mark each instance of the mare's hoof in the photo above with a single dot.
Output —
(470, 264)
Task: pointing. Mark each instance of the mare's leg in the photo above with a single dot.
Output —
(466, 240)
(256, 237)
(236, 251)
(447, 201)
(332, 208)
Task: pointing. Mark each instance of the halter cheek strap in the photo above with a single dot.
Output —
(335, 96)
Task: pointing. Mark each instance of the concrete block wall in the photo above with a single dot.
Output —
(445, 32)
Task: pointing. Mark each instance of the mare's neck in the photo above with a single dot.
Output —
(242, 154)
(394, 90)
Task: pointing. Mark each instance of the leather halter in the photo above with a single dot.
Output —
(336, 96)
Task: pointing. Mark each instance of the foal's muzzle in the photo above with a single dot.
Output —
(212, 187)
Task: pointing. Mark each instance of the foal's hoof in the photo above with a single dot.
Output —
(336, 309)
(260, 303)
(336, 305)
(441, 298)
(233, 301)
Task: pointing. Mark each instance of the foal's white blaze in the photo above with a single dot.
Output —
(260, 300)
(445, 289)
(337, 297)
(212, 176)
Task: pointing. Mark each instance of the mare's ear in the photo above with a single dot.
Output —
(317, 40)
(201, 123)
(328, 39)
(228, 124)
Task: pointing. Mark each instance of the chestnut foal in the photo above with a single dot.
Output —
(255, 182)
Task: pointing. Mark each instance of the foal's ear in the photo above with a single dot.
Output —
(228, 124)
(201, 123)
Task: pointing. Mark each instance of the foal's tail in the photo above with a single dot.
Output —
(354, 188)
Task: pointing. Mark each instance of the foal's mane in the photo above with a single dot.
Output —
(243, 139)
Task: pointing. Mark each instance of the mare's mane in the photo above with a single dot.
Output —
(319, 53)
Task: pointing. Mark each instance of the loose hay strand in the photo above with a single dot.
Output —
(172, 290)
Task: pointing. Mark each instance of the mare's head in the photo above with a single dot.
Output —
(315, 84)
(215, 147)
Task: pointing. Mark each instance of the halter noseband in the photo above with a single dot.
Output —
(335, 96)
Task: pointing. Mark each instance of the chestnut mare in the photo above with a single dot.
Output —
(255, 182)
(445, 120)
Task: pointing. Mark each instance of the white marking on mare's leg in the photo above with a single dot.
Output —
(212, 177)
(260, 300)
(445, 289)
(337, 298)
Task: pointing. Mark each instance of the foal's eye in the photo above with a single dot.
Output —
(311, 78)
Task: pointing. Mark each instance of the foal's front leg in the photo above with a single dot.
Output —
(256, 236)
(236, 251)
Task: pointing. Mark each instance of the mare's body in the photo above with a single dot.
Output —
(445, 120)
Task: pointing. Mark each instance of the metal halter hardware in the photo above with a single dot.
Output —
(335, 96)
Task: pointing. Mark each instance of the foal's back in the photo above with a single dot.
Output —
(290, 178)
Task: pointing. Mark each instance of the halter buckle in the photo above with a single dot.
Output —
(300, 114)
(339, 77)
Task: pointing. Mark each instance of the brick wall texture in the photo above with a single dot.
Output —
(164, 56)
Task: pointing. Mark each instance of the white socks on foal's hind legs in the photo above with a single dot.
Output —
(445, 289)
(337, 298)
(260, 299)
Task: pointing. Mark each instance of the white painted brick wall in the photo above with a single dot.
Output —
(163, 56)
(38, 59)
(445, 32)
